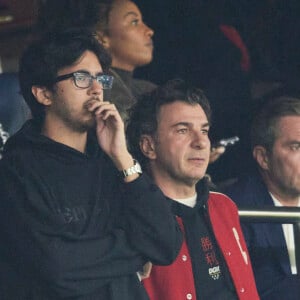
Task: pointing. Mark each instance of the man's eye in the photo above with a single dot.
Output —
(82, 77)
(182, 130)
(295, 147)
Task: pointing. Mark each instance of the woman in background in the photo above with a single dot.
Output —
(122, 31)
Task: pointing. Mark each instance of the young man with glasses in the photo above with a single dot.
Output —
(77, 218)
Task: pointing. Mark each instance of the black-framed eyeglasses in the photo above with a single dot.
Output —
(84, 80)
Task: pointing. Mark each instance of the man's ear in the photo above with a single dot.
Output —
(42, 95)
(147, 146)
(261, 156)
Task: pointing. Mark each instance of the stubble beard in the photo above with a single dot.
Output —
(82, 123)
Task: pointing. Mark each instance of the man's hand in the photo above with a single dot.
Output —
(111, 134)
(215, 153)
(110, 129)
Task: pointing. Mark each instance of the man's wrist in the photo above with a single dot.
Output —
(132, 170)
(123, 162)
(128, 167)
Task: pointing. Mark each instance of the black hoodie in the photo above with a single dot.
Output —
(71, 229)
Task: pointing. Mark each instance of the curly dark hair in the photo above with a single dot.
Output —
(58, 15)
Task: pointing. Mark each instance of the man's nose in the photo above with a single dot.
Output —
(96, 87)
(200, 140)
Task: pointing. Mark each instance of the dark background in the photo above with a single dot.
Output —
(269, 28)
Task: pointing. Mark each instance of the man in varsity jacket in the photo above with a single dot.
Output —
(168, 133)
